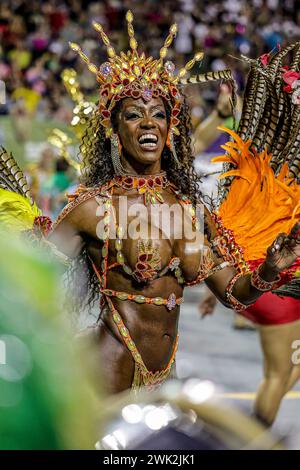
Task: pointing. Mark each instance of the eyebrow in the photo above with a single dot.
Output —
(141, 108)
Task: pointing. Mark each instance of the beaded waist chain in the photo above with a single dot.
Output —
(171, 302)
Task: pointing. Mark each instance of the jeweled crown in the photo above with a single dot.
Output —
(134, 75)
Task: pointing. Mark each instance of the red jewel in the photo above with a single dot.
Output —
(139, 275)
(141, 266)
(106, 113)
(128, 92)
(128, 181)
(141, 182)
(143, 257)
(175, 112)
(158, 181)
(126, 81)
(150, 182)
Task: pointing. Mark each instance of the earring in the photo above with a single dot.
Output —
(171, 145)
(116, 149)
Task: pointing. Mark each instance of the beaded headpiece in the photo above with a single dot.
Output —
(134, 75)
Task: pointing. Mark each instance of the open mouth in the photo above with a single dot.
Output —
(148, 141)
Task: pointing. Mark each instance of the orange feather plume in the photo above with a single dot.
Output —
(259, 204)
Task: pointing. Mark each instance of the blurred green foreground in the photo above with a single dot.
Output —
(44, 400)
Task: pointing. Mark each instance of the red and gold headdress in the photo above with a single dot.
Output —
(134, 75)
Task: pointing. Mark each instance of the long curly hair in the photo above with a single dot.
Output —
(98, 170)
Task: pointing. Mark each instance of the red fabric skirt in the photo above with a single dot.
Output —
(270, 309)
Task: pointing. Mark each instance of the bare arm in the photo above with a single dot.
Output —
(68, 233)
(67, 238)
(280, 255)
(243, 291)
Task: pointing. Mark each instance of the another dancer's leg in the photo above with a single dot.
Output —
(276, 344)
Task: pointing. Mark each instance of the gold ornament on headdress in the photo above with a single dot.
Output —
(134, 75)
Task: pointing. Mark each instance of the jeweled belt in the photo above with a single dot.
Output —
(171, 302)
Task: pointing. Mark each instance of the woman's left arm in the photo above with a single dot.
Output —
(238, 290)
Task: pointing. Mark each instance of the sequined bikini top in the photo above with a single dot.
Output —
(148, 264)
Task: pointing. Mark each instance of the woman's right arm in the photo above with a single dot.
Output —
(67, 235)
(67, 239)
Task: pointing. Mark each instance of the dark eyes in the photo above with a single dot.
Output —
(132, 115)
(160, 115)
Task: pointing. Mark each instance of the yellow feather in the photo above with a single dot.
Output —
(16, 212)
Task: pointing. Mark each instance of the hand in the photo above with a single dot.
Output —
(207, 304)
(284, 250)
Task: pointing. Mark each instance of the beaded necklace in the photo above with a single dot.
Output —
(148, 185)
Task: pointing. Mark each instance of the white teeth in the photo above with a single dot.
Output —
(151, 139)
(149, 145)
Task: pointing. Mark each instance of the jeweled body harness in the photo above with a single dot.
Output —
(147, 268)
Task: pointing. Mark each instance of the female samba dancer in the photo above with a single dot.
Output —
(142, 284)
(138, 146)
(153, 327)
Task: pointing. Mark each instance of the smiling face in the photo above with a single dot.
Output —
(142, 128)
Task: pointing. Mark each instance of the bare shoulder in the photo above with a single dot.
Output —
(81, 206)
(76, 223)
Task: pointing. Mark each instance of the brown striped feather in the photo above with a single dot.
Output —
(11, 176)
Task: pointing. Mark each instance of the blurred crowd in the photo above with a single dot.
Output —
(34, 38)
(34, 47)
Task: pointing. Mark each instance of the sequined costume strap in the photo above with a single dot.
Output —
(204, 274)
(142, 376)
(82, 194)
(170, 303)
